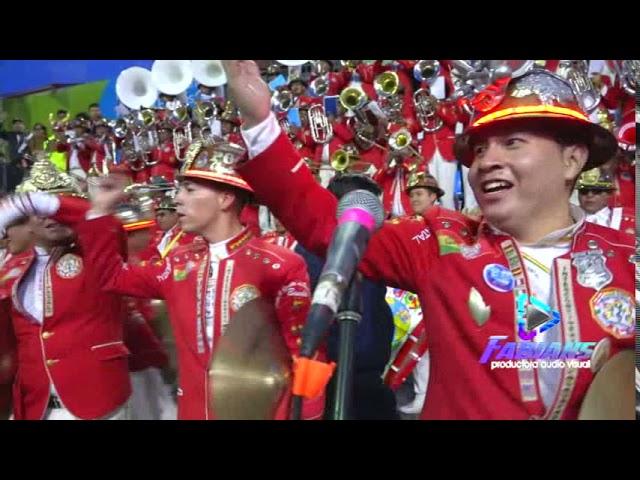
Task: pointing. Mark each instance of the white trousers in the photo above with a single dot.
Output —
(150, 397)
(64, 414)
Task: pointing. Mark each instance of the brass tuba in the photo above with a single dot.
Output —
(135, 88)
(321, 128)
(144, 119)
(319, 87)
(120, 127)
(426, 107)
(203, 112)
(178, 119)
(282, 100)
(387, 84)
(576, 73)
(426, 71)
(629, 74)
(353, 98)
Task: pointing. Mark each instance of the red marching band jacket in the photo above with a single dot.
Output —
(252, 268)
(79, 347)
(416, 253)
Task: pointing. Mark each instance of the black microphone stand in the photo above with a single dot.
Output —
(349, 315)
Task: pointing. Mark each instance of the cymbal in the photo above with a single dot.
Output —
(611, 395)
(250, 370)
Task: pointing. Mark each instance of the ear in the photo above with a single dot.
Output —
(226, 200)
(574, 158)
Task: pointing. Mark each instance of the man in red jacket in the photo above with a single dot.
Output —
(168, 234)
(487, 340)
(205, 283)
(595, 188)
(71, 359)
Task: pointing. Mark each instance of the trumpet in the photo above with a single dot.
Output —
(282, 100)
(400, 142)
(576, 73)
(387, 84)
(426, 71)
(342, 159)
(321, 128)
(346, 159)
(353, 98)
(426, 107)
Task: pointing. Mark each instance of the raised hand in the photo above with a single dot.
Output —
(248, 91)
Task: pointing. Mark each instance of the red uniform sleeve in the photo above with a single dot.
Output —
(145, 347)
(308, 212)
(102, 242)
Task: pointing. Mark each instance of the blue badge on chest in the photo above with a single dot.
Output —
(498, 277)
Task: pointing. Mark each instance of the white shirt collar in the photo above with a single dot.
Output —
(219, 251)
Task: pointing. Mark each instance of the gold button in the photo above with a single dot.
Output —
(46, 335)
(299, 342)
(294, 329)
(51, 362)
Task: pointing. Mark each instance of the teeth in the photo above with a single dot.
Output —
(495, 185)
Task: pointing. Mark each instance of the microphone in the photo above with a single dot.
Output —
(359, 214)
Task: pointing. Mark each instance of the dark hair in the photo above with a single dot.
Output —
(94, 105)
(17, 120)
(40, 125)
(331, 65)
(340, 185)
(62, 110)
(82, 116)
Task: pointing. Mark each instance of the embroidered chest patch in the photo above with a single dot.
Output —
(614, 310)
(69, 266)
